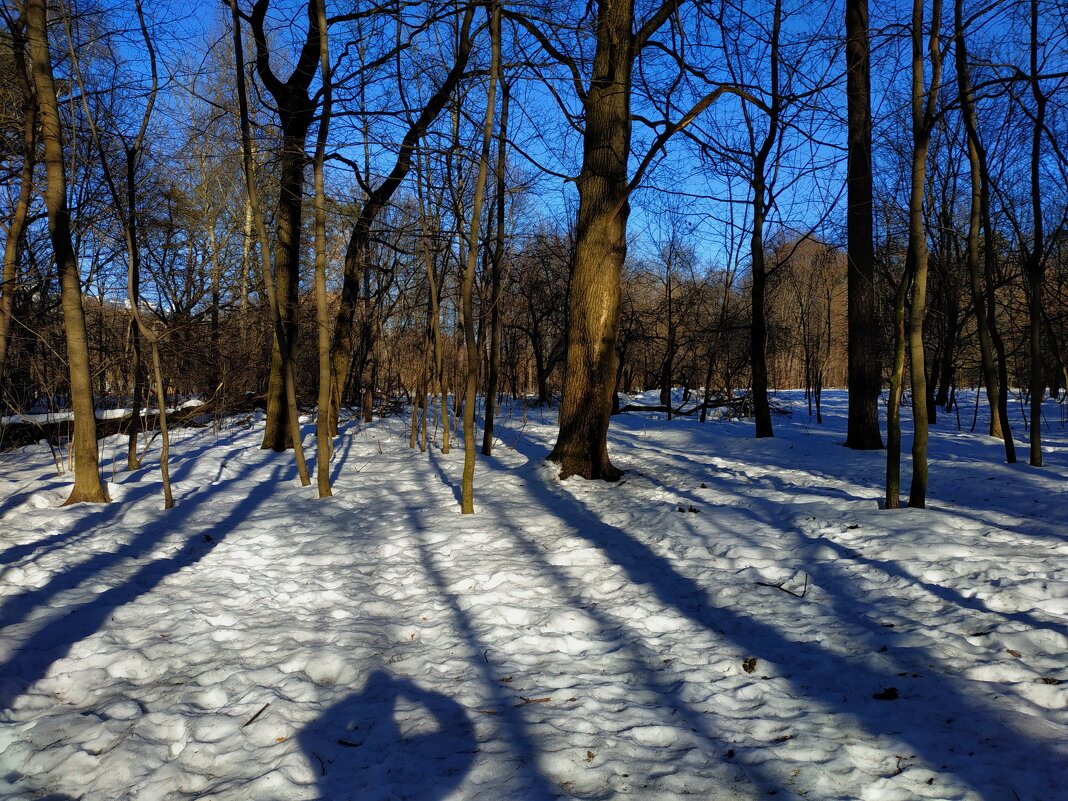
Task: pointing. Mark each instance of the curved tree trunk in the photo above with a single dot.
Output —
(87, 484)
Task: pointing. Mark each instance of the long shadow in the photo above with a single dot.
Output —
(827, 574)
(365, 747)
(31, 659)
(887, 567)
(17, 607)
(511, 721)
(647, 668)
(842, 684)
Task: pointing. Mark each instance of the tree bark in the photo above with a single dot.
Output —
(17, 228)
(281, 338)
(496, 279)
(923, 109)
(467, 488)
(986, 353)
(296, 111)
(864, 370)
(600, 249)
(87, 484)
(323, 431)
(1036, 258)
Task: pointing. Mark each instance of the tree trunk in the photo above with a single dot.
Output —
(923, 109)
(496, 279)
(865, 374)
(281, 339)
(17, 227)
(323, 432)
(87, 484)
(600, 249)
(893, 403)
(1036, 259)
(296, 113)
(467, 488)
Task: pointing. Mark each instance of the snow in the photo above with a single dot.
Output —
(736, 619)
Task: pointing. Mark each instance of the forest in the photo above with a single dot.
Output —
(530, 401)
(377, 205)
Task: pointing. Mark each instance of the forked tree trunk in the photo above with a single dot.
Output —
(923, 111)
(296, 113)
(265, 257)
(87, 484)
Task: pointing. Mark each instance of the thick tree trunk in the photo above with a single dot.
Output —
(289, 381)
(600, 250)
(296, 113)
(865, 374)
(87, 484)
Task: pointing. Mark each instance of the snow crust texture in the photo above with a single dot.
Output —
(736, 619)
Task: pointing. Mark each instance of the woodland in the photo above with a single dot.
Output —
(387, 207)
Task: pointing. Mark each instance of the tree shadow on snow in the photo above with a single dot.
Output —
(843, 684)
(393, 740)
(30, 660)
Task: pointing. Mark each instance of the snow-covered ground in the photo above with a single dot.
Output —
(736, 619)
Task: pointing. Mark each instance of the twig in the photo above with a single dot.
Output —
(251, 719)
(526, 701)
(780, 586)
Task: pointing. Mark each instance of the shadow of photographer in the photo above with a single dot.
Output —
(392, 740)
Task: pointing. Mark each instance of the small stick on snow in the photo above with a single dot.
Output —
(780, 586)
(526, 701)
(251, 719)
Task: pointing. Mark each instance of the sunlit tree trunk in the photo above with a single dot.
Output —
(998, 426)
(281, 338)
(296, 112)
(600, 250)
(87, 484)
(467, 488)
(323, 430)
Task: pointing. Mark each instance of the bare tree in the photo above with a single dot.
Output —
(865, 375)
(87, 484)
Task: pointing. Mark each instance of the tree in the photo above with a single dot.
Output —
(604, 188)
(296, 111)
(865, 374)
(87, 484)
(25, 102)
